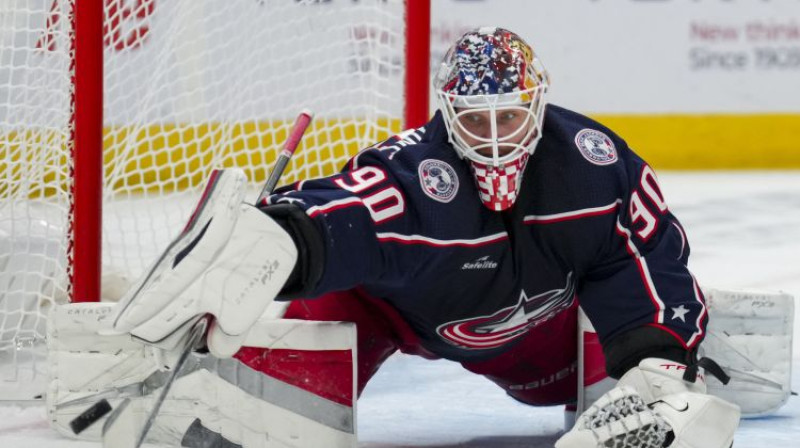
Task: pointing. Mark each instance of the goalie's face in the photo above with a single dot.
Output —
(494, 135)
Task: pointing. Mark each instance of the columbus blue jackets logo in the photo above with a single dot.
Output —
(508, 324)
(596, 147)
(438, 180)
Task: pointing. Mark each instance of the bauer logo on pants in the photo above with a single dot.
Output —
(596, 147)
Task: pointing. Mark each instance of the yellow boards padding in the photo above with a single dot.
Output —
(164, 157)
(167, 157)
(714, 141)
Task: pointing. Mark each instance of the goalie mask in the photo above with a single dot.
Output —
(490, 89)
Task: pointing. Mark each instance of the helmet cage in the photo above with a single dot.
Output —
(504, 148)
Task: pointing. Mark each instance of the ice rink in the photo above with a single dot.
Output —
(744, 229)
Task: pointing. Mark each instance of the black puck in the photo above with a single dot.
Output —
(89, 416)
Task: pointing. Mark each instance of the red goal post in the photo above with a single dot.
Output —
(113, 112)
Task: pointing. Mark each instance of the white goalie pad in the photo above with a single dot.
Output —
(213, 399)
(749, 335)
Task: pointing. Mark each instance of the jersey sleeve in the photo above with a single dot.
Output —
(640, 280)
(352, 210)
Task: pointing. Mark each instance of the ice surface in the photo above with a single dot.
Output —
(744, 229)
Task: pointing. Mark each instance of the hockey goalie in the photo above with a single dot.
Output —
(474, 238)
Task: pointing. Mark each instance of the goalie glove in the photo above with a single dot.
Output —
(658, 404)
(230, 261)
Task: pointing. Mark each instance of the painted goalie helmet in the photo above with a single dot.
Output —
(491, 91)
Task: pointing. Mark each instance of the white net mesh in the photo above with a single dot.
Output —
(190, 85)
(34, 182)
(222, 87)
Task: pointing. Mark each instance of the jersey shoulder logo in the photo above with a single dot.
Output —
(596, 147)
(438, 180)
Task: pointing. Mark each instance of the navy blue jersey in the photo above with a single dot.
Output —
(404, 222)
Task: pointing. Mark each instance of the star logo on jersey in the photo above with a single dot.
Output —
(438, 180)
(508, 324)
(596, 147)
(679, 313)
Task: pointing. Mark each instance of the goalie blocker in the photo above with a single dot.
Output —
(749, 336)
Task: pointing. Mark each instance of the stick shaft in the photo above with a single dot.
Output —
(298, 129)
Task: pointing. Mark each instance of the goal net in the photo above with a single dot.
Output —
(188, 86)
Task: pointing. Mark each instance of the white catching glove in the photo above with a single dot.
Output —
(230, 261)
(653, 406)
